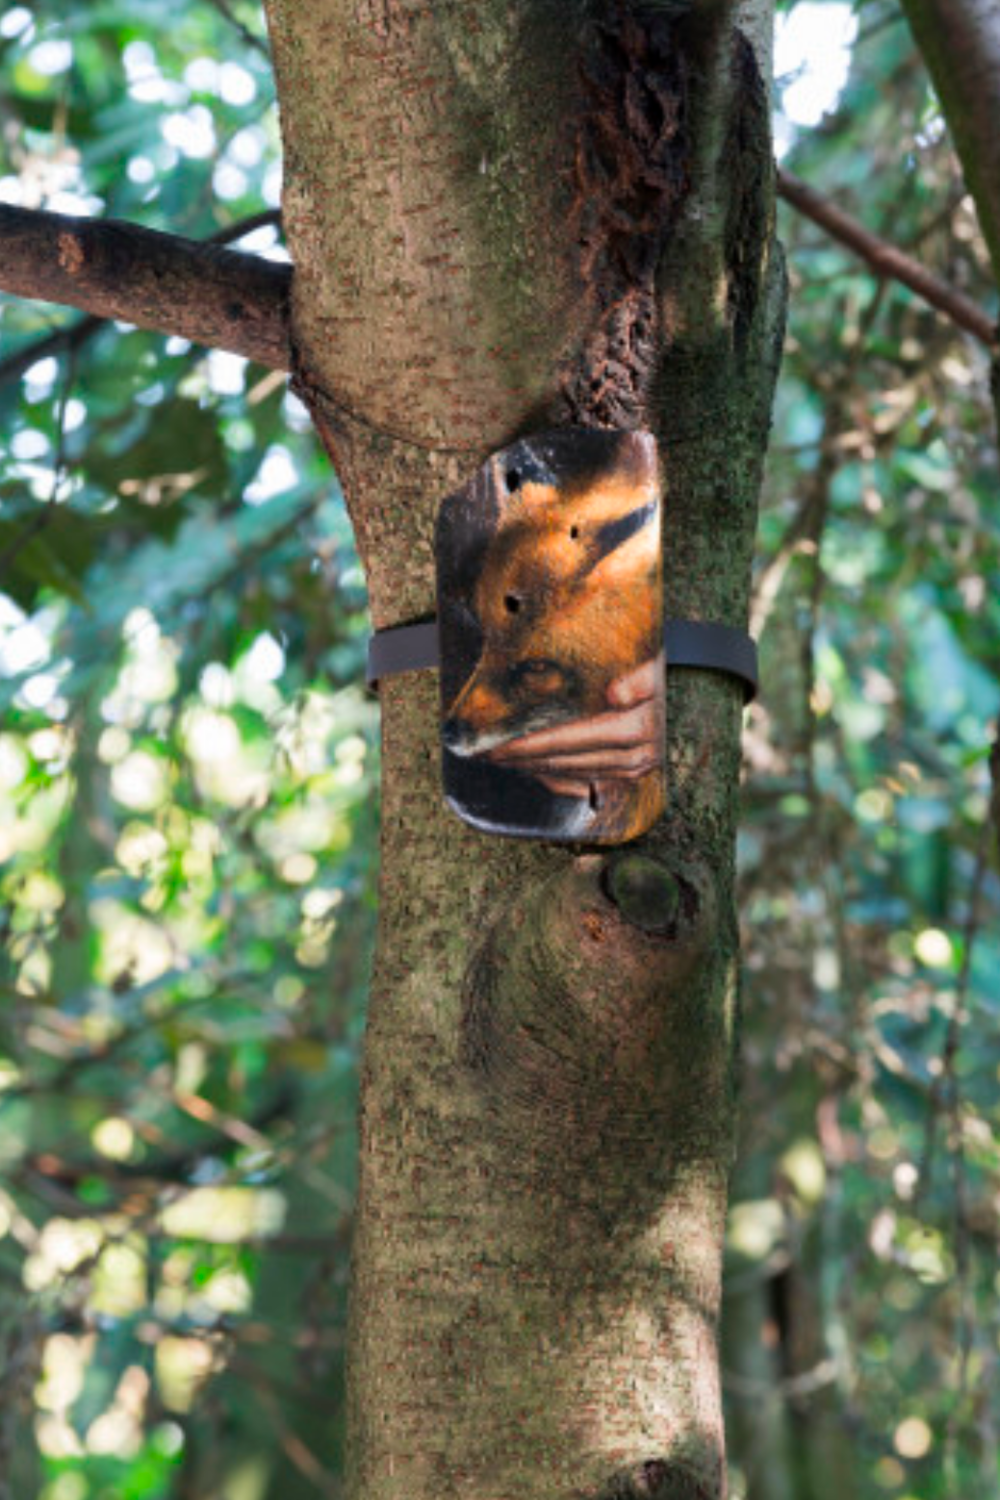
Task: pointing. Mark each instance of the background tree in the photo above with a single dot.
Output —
(233, 1072)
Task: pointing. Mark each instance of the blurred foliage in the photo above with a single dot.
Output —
(861, 1339)
(187, 831)
(187, 818)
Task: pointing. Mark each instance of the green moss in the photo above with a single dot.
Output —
(646, 893)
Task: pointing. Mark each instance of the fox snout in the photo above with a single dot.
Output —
(504, 700)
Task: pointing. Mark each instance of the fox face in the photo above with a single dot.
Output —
(566, 598)
(566, 606)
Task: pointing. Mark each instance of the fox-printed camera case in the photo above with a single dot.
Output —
(550, 618)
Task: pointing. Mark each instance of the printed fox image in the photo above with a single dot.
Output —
(551, 632)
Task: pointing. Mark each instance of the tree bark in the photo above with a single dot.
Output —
(504, 219)
(960, 43)
(203, 292)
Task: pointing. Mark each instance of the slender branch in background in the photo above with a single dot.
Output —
(995, 797)
(298, 1452)
(965, 1316)
(941, 219)
(46, 512)
(230, 233)
(887, 260)
(805, 530)
(238, 302)
(214, 296)
(945, 1099)
(799, 537)
(251, 38)
(50, 346)
(880, 23)
(942, 1097)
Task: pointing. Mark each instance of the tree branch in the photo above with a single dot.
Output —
(229, 300)
(69, 339)
(223, 298)
(887, 260)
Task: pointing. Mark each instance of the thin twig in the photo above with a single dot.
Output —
(51, 345)
(230, 233)
(965, 1318)
(888, 260)
(944, 1088)
(250, 37)
(804, 531)
(995, 795)
(298, 1452)
(46, 512)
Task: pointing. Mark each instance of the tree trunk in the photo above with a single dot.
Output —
(504, 219)
(960, 43)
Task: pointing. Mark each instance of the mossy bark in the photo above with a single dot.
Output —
(504, 218)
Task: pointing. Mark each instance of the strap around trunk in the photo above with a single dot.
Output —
(688, 643)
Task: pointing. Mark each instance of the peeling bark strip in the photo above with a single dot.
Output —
(749, 212)
(222, 298)
(632, 173)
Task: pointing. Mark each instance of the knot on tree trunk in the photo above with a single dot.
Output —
(577, 1024)
(649, 894)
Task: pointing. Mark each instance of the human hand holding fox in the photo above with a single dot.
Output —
(623, 744)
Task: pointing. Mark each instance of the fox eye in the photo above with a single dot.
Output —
(534, 671)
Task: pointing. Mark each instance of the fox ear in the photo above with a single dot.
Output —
(609, 537)
(518, 466)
